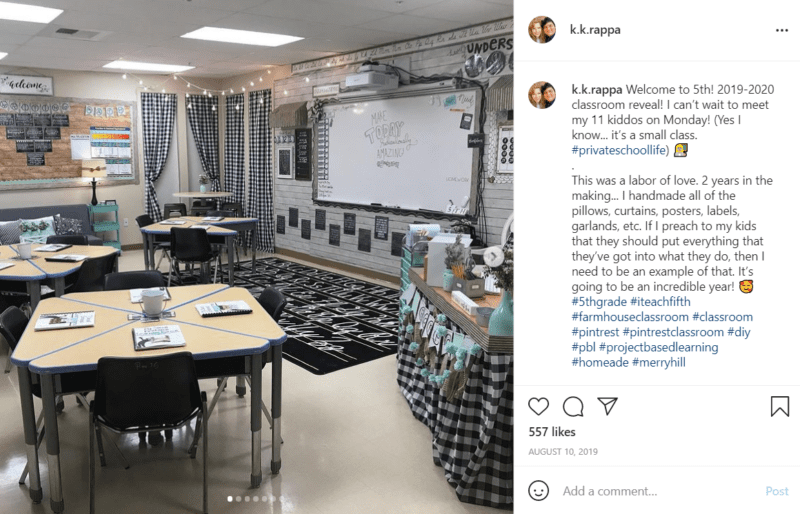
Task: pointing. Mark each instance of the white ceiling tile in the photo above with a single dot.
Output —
(411, 24)
(392, 6)
(320, 12)
(227, 5)
(143, 24)
(7, 40)
(464, 11)
(20, 28)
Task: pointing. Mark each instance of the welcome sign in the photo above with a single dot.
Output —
(20, 85)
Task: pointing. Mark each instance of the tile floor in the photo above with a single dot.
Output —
(351, 445)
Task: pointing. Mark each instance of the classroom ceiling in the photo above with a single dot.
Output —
(150, 30)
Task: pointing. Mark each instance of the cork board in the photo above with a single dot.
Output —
(36, 146)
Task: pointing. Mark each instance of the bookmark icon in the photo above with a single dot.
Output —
(608, 403)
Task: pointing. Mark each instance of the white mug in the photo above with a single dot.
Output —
(152, 302)
(24, 250)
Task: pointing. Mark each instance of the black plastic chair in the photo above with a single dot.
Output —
(273, 301)
(161, 242)
(233, 206)
(174, 210)
(130, 397)
(12, 325)
(133, 280)
(201, 207)
(92, 275)
(69, 239)
(190, 245)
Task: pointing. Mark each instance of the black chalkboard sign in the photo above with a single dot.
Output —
(397, 244)
(52, 133)
(15, 132)
(41, 120)
(305, 231)
(381, 228)
(302, 154)
(349, 224)
(59, 120)
(35, 159)
(281, 229)
(25, 145)
(34, 132)
(24, 120)
(294, 214)
(364, 240)
(6, 119)
(284, 162)
(319, 219)
(43, 145)
(334, 234)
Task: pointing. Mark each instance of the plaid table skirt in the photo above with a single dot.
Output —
(473, 436)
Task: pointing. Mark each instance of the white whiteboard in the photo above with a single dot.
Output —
(407, 152)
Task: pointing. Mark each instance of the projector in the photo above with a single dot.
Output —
(372, 80)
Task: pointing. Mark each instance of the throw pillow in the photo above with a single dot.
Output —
(68, 226)
(40, 227)
(9, 232)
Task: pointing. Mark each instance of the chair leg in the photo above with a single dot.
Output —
(91, 462)
(198, 429)
(220, 387)
(169, 280)
(113, 445)
(205, 458)
(100, 450)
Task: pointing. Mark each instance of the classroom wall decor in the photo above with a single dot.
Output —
(425, 56)
(44, 139)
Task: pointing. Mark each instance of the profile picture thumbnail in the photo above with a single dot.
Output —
(542, 95)
(542, 29)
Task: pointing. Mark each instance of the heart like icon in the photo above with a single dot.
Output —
(538, 405)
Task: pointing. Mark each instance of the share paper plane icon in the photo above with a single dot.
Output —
(608, 403)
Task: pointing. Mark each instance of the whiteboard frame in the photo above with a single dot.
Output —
(473, 195)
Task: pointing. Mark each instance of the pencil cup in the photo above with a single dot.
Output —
(24, 250)
(152, 302)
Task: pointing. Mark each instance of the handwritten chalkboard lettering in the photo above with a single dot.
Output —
(388, 153)
(498, 43)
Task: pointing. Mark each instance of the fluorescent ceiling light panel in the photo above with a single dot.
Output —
(244, 37)
(147, 66)
(2, 54)
(24, 12)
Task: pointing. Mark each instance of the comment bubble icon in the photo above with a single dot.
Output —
(573, 407)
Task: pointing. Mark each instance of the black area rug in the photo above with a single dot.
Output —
(333, 321)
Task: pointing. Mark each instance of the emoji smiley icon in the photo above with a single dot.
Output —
(538, 490)
(746, 286)
(681, 149)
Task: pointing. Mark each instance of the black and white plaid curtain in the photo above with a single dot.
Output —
(234, 151)
(203, 119)
(158, 118)
(260, 203)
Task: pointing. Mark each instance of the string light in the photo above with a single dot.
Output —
(307, 79)
(190, 85)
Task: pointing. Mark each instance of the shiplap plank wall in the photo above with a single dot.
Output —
(498, 197)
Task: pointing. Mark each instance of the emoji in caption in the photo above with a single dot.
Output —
(746, 286)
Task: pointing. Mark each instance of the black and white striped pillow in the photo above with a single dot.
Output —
(9, 232)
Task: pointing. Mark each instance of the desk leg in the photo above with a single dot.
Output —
(255, 418)
(53, 451)
(231, 258)
(59, 283)
(35, 292)
(146, 246)
(29, 428)
(277, 363)
(151, 251)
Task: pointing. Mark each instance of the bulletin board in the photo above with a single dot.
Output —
(400, 152)
(44, 139)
